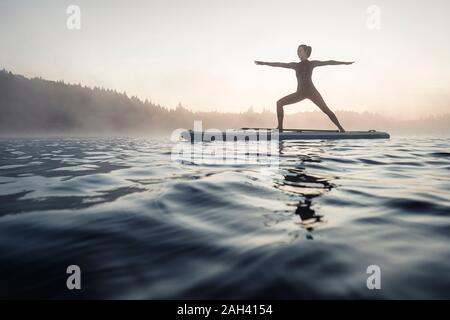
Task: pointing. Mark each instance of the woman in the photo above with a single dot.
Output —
(305, 87)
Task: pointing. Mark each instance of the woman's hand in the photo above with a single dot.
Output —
(259, 62)
(350, 62)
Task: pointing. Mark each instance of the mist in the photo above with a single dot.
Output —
(39, 106)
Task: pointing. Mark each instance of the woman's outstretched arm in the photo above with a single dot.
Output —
(329, 63)
(290, 65)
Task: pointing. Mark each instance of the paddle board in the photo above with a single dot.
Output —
(261, 134)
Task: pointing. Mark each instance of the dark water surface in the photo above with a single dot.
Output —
(140, 225)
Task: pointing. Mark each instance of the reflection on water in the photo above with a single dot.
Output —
(142, 226)
(298, 181)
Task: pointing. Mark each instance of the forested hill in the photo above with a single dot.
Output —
(38, 106)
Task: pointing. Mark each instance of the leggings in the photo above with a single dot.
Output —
(298, 96)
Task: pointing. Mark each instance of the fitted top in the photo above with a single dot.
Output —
(303, 71)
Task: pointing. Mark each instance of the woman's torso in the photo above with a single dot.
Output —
(303, 71)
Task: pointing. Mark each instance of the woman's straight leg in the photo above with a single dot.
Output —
(318, 100)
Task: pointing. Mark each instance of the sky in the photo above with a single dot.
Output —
(201, 52)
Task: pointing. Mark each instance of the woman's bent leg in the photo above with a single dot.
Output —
(289, 99)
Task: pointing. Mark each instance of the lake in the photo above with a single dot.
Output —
(143, 225)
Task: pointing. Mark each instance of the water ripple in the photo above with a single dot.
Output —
(143, 226)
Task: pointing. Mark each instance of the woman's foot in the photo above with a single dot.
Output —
(341, 130)
(280, 130)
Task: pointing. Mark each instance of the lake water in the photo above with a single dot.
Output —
(140, 225)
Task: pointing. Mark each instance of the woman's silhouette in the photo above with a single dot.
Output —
(305, 87)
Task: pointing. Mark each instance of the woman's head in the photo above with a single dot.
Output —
(304, 51)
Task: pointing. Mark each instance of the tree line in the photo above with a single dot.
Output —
(35, 106)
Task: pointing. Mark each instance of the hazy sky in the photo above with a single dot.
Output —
(201, 52)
